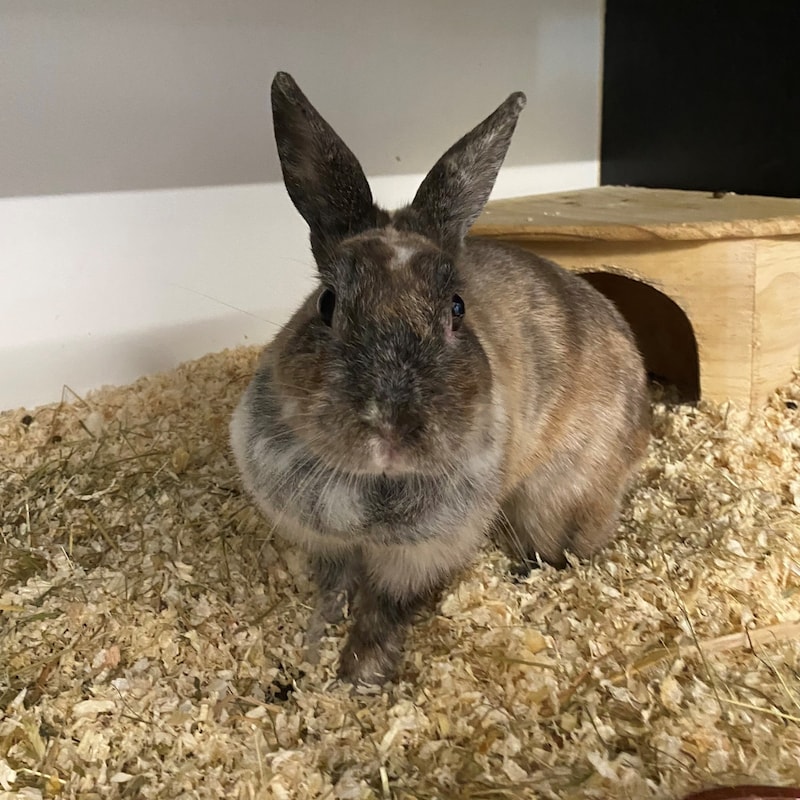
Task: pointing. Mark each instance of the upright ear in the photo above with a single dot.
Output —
(322, 176)
(455, 191)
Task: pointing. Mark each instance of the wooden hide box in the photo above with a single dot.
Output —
(710, 284)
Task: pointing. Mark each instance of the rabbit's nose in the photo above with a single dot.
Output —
(394, 426)
(405, 424)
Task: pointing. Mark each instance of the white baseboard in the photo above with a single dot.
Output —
(104, 288)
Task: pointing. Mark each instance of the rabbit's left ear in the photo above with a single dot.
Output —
(456, 189)
(322, 176)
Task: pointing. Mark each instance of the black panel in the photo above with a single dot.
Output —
(702, 94)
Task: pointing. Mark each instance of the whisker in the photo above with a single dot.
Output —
(316, 470)
(227, 305)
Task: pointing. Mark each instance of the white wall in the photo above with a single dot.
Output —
(141, 221)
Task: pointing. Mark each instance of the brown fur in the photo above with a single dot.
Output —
(386, 435)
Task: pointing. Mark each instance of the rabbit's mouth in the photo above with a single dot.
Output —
(392, 457)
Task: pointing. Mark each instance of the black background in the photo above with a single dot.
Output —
(702, 94)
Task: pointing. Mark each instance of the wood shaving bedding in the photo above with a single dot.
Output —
(152, 625)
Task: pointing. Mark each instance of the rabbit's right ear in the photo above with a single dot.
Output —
(322, 176)
(456, 189)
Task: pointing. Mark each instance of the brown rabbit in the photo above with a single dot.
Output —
(432, 387)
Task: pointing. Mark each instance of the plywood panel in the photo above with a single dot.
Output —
(614, 213)
(777, 314)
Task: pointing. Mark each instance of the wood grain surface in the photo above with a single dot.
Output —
(625, 213)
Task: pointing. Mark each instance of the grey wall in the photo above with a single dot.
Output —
(99, 95)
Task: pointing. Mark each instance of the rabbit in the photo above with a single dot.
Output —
(433, 389)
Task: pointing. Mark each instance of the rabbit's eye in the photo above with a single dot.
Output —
(325, 306)
(458, 311)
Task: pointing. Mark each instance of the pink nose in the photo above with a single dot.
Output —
(385, 452)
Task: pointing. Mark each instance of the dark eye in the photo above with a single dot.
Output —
(325, 306)
(459, 309)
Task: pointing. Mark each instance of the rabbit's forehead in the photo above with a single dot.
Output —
(398, 256)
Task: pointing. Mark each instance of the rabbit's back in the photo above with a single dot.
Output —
(568, 371)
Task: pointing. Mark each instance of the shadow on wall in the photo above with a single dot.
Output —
(662, 330)
(81, 364)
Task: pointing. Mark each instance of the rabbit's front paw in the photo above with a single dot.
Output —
(370, 662)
